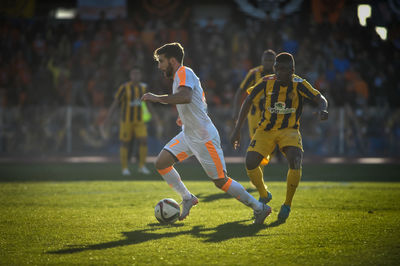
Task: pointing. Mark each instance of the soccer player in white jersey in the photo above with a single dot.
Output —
(198, 137)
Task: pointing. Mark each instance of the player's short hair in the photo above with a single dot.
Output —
(284, 58)
(269, 51)
(170, 50)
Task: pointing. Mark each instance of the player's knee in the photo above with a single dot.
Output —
(253, 160)
(220, 182)
(251, 164)
(143, 141)
(125, 144)
(161, 164)
(296, 161)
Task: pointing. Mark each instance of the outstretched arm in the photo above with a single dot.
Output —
(183, 96)
(322, 106)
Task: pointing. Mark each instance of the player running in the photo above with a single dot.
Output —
(284, 93)
(255, 114)
(198, 137)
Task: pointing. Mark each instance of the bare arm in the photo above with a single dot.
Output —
(236, 104)
(183, 96)
(111, 110)
(322, 106)
(244, 110)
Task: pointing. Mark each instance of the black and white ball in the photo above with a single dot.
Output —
(167, 211)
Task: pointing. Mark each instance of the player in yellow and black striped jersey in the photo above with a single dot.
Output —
(254, 116)
(284, 93)
(132, 119)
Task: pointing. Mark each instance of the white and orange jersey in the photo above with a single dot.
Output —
(197, 125)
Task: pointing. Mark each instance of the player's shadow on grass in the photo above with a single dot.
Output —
(223, 232)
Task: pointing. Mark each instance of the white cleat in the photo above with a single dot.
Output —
(187, 205)
(126, 172)
(144, 170)
(261, 215)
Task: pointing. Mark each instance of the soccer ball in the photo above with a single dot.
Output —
(167, 211)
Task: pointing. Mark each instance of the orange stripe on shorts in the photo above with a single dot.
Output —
(215, 157)
(227, 185)
(165, 171)
(182, 76)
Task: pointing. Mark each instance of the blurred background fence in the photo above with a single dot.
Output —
(74, 130)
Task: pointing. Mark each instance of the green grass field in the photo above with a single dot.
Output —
(88, 214)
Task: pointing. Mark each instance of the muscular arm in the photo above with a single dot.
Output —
(236, 104)
(183, 96)
(244, 110)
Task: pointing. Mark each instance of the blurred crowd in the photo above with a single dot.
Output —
(52, 63)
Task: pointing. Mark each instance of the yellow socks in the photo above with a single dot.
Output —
(256, 177)
(142, 155)
(293, 179)
(123, 153)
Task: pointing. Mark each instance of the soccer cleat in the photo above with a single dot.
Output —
(187, 205)
(261, 215)
(284, 212)
(267, 199)
(126, 171)
(144, 170)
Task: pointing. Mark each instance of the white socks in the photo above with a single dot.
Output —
(172, 177)
(237, 191)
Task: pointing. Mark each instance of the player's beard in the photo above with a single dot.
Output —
(169, 71)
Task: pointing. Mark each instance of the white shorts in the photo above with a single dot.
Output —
(209, 154)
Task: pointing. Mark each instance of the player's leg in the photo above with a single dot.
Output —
(176, 150)
(260, 146)
(294, 154)
(131, 149)
(255, 174)
(123, 152)
(253, 120)
(140, 132)
(212, 160)
(125, 138)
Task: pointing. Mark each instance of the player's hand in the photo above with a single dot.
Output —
(150, 97)
(235, 139)
(323, 114)
(179, 121)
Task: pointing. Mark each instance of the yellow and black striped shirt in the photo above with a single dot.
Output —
(283, 105)
(129, 96)
(253, 77)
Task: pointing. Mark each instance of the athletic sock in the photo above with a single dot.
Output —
(123, 152)
(171, 176)
(142, 154)
(293, 179)
(237, 191)
(256, 177)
